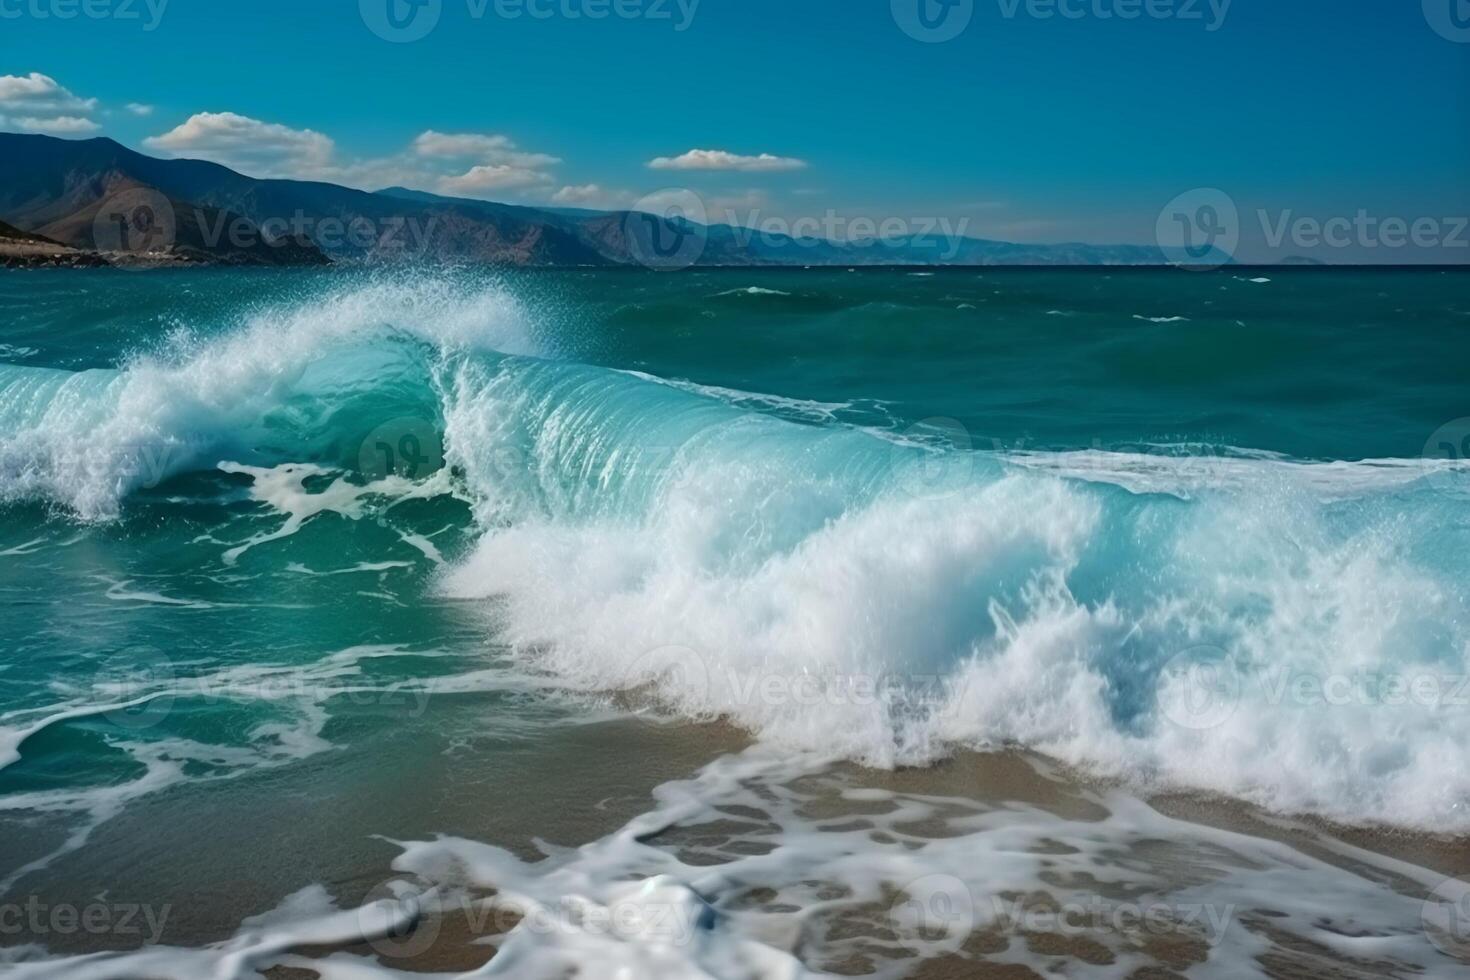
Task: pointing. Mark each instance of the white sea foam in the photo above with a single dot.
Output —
(86, 439)
(283, 488)
(832, 592)
(1186, 472)
(877, 595)
(804, 408)
(139, 699)
(764, 865)
(753, 291)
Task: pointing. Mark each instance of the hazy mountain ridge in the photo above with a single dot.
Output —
(56, 188)
(27, 250)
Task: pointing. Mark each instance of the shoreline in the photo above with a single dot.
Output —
(1009, 802)
(1024, 783)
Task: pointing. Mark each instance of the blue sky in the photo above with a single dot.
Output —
(1029, 127)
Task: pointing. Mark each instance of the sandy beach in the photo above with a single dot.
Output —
(1021, 869)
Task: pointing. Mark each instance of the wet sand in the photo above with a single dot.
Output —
(1025, 782)
(215, 858)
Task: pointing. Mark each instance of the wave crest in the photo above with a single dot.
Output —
(1247, 624)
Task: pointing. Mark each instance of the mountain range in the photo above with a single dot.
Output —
(96, 201)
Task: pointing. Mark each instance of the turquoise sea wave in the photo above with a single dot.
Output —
(1201, 532)
(1020, 518)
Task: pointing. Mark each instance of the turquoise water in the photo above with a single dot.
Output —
(1317, 363)
(260, 531)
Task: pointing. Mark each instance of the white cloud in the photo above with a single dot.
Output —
(495, 165)
(257, 148)
(376, 173)
(435, 144)
(488, 178)
(723, 160)
(41, 95)
(139, 109)
(577, 194)
(262, 149)
(38, 103)
(60, 125)
(480, 147)
(592, 196)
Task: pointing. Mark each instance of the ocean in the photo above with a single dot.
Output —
(734, 623)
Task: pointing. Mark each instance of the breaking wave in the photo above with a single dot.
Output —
(1292, 633)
